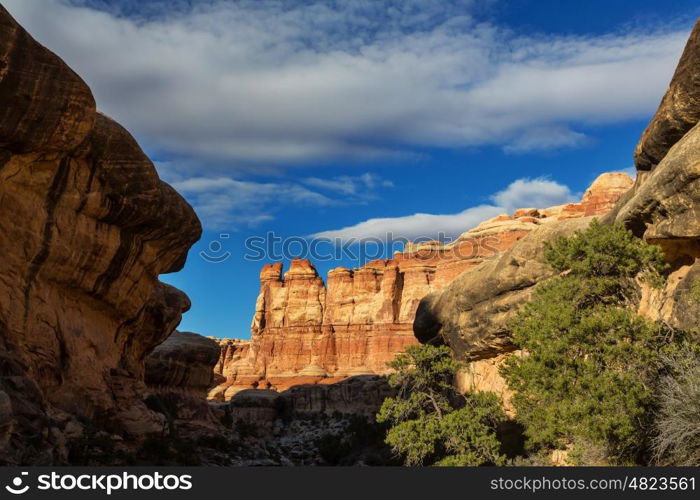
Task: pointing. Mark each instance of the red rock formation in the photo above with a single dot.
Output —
(304, 332)
(87, 227)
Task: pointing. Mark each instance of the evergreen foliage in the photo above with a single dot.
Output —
(431, 424)
(591, 363)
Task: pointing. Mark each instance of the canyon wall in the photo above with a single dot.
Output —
(87, 228)
(307, 332)
(663, 206)
(178, 374)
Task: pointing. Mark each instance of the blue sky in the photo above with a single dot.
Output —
(351, 119)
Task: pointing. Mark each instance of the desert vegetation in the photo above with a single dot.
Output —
(594, 379)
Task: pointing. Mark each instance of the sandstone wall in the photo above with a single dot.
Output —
(306, 332)
(663, 206)
(184, 362)
(361, 395)
(87, 227)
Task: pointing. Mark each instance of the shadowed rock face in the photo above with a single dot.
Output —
(178, 374)
(678, 112)
(361, 395)
(87, 227)
(305, 331)
(184, 362)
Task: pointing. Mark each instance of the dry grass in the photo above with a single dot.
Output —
(677, 439)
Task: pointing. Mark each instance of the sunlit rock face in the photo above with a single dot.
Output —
(87, 228)
(663, 206)
(308, 332)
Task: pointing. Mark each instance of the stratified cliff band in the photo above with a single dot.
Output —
(88, 226)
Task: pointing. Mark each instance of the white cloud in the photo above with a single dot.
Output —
(414, 226)
(362, 186)
(227, 203)
(533, 193)
(257, 82)
(545, 138)
(522, 193)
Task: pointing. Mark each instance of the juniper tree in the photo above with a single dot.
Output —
(591, 363)
(432, 424)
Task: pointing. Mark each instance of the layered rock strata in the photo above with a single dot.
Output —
(178, 374)
(184, 362)
(664, 205)
(359, 396)
(305, 331)
(87, 228)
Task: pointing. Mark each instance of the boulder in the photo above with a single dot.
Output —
(471, 314)
(184, 362)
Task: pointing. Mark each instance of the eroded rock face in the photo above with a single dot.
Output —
(88, 226)
(356, 396)
(312, 424)
(471, 314)
(305, 332)
(678, 112)
(664, 205)
(179, 373)
(484, 375)
(185, 361)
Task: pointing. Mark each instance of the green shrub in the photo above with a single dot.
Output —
(430, 423)
(591, 362)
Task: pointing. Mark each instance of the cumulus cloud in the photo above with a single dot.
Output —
(521, 193)
(414, 226)
(257, 82)
(228, 203)
(533, 193)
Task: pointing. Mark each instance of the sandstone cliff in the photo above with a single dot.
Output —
(184, 362)
(305, 331)
(663, 206)
(88, 226)
(178, 374)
